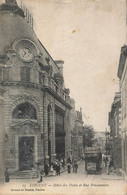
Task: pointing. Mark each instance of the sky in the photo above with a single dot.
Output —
(87, 35)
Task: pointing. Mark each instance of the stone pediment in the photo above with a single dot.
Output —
(25, 123)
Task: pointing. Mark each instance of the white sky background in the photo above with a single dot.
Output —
(87, 35)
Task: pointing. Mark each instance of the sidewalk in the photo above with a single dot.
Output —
(112, 175)
(28, 175)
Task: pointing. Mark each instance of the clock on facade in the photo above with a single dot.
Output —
(25, 54)
(26, 50)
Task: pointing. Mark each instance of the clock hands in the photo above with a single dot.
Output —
(25, 53)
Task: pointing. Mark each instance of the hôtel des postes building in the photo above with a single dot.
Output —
(34, 103)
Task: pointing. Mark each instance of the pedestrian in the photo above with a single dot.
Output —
(34, 172)
(108, 166)
(58, 168)
(46, 169)
(111, 165)
(75, 166)
(63, 163)
(54, 168)
(51, 169)
(69, 160)
(7, 177)
(69, 167)
(41, 177)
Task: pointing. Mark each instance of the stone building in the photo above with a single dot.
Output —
(2, 137)
(122, 75)
(115, 132)
(76, 124)
(100, 141)
(35, 105)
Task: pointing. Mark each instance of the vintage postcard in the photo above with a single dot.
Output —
(63, 110)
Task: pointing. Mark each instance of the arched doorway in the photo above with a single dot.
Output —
(26, 152)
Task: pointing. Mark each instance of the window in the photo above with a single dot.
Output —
(25, 74)
(6, 74)
(24, 110)
(41, 79)
(1, 78)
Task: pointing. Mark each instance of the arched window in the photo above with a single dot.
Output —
(24, 110)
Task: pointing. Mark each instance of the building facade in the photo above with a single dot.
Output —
(100, 141)
(76, 132)
(122, 75)
(35, 103)
(115, 132)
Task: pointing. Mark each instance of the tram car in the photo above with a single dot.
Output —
(93, 160)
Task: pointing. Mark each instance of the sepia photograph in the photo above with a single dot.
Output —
(63, 97)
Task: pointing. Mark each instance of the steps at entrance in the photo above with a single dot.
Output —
(27, 174)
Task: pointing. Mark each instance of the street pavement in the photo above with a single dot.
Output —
(79, 183)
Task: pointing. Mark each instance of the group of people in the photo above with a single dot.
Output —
(54, 169)
(107, 163)
(73, 165)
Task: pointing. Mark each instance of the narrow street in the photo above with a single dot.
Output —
(72, 183)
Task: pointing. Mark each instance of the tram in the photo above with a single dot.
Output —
(93, 160)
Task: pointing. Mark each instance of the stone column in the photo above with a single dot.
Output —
(53, 133)
(68, 135)
(2, 136)
(45, 125)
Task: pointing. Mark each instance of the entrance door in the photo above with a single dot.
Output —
(26, 153)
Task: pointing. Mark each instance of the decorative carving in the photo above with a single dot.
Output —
(26, 127)
(67, 91)
(47, 68)
(58, 78)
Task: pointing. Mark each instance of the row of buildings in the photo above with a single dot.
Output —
(38, 121)
(118, 119)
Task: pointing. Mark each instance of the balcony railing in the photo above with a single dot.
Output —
(49, 82)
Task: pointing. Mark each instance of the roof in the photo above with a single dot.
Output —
(13, 26)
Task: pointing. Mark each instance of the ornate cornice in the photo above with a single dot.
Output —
(37, 86)
(57, 97)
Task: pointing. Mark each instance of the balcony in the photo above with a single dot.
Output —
(48, 81)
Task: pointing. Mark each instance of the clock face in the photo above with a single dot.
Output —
(26, 50)
(25, 54)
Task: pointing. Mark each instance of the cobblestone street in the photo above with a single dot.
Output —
(80, 183)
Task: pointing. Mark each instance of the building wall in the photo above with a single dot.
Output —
(76, 132)
(31, 85)
(2, 139)
(122, 74)
(115, 132)
(117, 156)
(123, 85)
